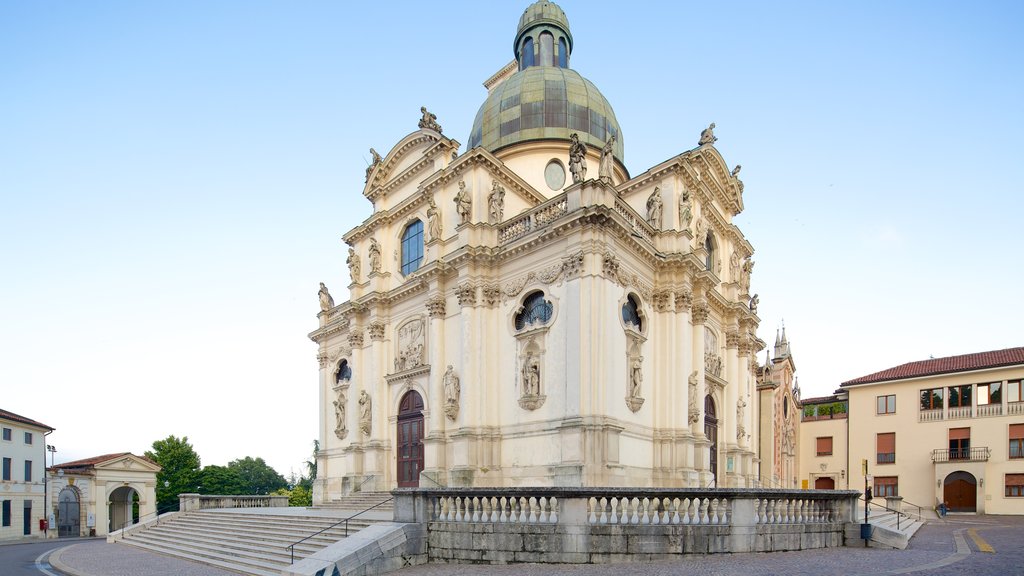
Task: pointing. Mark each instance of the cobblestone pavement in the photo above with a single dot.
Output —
(97, 558)
(940, 548)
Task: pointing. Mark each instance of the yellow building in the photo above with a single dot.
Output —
(99, 495)
(22, 484)
(823, 443)
(516, 319)
(943, 430)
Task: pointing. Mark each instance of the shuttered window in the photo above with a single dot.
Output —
(886, 486)
(1015, 485)
(825, 446)
(886, 448)
(1016, 440)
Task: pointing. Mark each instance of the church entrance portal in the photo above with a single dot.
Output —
(960, 492)
(68, 511)
(825, 484)
(410, 440)
(711, 431)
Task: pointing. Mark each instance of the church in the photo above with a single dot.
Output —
(528, 313)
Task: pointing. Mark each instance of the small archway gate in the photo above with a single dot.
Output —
(123, 506)
(69, 521)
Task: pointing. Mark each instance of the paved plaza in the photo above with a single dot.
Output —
(975, 545)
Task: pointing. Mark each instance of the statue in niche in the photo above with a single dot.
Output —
(463, 203)
(353, 264)
(374, 256)
(452, 390)
(365, 413)
(694, 412)
(373, 163)
(754, 300)
(429, 120)
(341, 425)
(707, 135)
(734, 266)
(606, 168)
(326, 300)
(736, 170)
(410, 345)
(636, 379)
(531, 376)
(577, 159)
(748, 267)
(433, 219)
(654, 207)
(685, 210)
(496, 203)
(702, 232)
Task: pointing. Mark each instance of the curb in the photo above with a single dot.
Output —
(57, 562)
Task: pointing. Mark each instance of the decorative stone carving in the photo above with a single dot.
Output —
(693, 409)
(736, 171)
(436, 307)
(492, 295)
(712, 360)
(323, 360)
(610, 266)
(326, 300)
(375, 260)
(463, 203)
(685, 210)
(636, 379)
(707, 135)
(373, 163)
(411, 345)
(661, 300)
(340, 419)
(452, 391)
(684, 299)
(732, 339)
(701, 236)
(577, 159)
(654, 208)
(569, 267)
(466, 293)
(355, 338)
(741, 430)
(748, 267)
(605, 169)
(734, 266)
(429, 121)
(353, 264)
(532, 397)
(433, 219)
(365, 413)
(700, 312)
(496, 203)
(376, 330)
(572, 265)
(754, 300)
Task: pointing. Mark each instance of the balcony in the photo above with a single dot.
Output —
(975, 454)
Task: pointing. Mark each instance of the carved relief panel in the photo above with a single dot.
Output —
(411, 342)
(712, 358)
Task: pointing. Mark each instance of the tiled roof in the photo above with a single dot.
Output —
(90, 462)
(950, 364)
(18, 418)
(820, 400)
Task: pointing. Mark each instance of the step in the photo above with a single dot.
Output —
(220, 562)
(227, 542)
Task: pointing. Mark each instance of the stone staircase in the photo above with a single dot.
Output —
(252, 542)
(889, 529)
(357, 501)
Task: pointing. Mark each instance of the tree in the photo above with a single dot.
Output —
(256, 476)
(179, 468)
(220, 480)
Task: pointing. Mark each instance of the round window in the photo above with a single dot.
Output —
(554, 175)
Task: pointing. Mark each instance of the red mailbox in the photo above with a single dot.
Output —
(42, 524)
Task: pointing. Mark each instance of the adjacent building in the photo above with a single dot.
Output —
(527, 312)
(22, 482)
(102, 494)
(779, 417)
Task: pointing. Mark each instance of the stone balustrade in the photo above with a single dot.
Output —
(536, 218)
(192, 502)
(614, 524)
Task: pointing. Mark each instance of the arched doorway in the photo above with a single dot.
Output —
(68, 514)
(825, 483)
(123, 506)
(960, 492)
(410, 439)
(711, 432)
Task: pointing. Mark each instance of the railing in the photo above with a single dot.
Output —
(1015, 408)
(536, 218)
(973, 454)
(640, 227)
(990, 410)
(291, 547)
(156, 514)
(899, 514)
(930, 415)
(959, 412)
(920, 510)
(192, 502)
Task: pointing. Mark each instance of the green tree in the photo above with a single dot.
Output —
(256, 476)
(220, 480)
(179, 468)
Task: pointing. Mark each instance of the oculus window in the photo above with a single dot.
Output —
(631, 313)
(536, 310)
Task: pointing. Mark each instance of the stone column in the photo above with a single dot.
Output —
(700, 314)
(434, 461)
(473, 401)
(684, 366)
(732, 389)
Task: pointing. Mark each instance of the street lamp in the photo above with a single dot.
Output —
(51, 449)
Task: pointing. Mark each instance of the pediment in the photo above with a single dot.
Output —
(411, 156)
(128, 462)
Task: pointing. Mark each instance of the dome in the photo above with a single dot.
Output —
(544, 103)
(545, 99)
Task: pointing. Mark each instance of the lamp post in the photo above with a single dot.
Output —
(51, 449)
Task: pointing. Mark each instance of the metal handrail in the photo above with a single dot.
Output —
(919, 509)
(167, 508)
(898, 513)
(291, 546)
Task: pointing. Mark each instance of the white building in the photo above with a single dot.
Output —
(22, 483)
(528, 313)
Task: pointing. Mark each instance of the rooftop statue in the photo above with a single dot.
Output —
(577, 159)
(429, 120)
(326, 300)
(463, 203)
(707, 135)
(604, 170)
(373, 163)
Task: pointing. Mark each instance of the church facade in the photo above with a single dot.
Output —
(527, 313)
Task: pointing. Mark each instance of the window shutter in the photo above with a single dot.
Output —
(1015, 479)
(1016, 431)
(959, 433)
(887, 443)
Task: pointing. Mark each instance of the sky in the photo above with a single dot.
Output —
(175, 178)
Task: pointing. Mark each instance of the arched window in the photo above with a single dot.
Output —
(344, 372)
(631, 313)
(709, 246)
(563, 54)
(547, 49)
(526, 57)
(412, 247)
(536, 310)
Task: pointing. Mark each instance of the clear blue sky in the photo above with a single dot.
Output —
(175, 178)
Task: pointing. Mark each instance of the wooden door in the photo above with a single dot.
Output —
(410, 440)
(711, 431)
(824, 484)
(960, 492)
